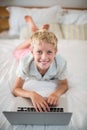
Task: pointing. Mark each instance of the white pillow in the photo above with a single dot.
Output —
(25, 32)
(75, 17)
(44, 15)
(74, 31)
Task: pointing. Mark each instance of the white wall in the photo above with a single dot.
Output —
(42, 3)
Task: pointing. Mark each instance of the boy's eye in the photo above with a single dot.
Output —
(39, 52)
(49, 52)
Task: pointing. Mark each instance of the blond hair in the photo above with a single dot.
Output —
(44, 35)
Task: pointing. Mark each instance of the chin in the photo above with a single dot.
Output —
(44, 67)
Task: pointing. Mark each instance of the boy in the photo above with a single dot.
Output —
(43, 64)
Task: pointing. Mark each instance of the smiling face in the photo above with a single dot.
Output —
(43, 54)
(43, 48)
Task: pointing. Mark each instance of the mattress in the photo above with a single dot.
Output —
(75, 53)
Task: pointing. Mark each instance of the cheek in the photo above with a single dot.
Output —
(53, 56)
(36, 57)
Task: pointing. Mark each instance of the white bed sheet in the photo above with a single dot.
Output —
(75, 52)
(6, 35)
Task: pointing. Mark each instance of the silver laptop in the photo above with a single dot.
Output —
(29, 116)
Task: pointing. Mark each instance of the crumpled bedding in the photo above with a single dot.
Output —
(75, 53)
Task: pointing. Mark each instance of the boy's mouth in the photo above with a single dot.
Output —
(44, 62)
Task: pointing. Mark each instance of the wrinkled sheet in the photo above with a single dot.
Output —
(75, 53)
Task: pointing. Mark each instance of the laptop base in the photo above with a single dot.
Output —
(38, 118)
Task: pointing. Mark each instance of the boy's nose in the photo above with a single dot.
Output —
(44, 56)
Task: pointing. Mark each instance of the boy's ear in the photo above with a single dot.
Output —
(56, 51)
(31, 50)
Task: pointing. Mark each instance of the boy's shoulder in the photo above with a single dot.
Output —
(58, 58)
(60, 61)
(27, 58)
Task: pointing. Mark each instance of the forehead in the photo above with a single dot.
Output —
(44, 45)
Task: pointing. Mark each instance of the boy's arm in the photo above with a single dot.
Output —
(62, 88)
(38, 101)
(18, 88)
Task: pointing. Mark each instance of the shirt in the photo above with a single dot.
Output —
(27, 69)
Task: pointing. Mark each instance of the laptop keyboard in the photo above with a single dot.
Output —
(32, 109)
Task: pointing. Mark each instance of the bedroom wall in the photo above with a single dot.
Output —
(65, 3)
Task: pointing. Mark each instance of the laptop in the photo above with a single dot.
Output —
(29, 116)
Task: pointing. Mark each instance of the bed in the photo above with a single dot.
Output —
(72, 48)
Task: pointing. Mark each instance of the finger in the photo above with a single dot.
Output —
(50, 101)
(35, 106)
(55, 103)
(43, 107)
(46, 107)
(39, 108)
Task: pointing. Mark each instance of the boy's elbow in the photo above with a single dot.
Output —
(66, 87)
(14, 92)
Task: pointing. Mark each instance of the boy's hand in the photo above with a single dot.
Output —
(52, 99)
(39, 102)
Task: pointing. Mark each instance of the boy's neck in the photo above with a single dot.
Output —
(42, 72)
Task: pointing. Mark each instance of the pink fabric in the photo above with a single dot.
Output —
(20, 53)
